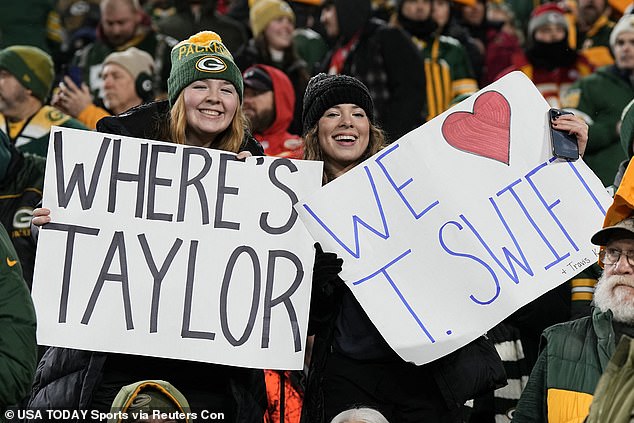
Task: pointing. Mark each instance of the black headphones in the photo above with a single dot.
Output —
(144, 86)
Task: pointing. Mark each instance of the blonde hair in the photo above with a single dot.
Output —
(230, 139)
(313, 151)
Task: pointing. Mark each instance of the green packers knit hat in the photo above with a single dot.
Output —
(324, 91)
(201, 56)
(31, 66)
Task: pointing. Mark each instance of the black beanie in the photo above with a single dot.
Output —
(324, 91)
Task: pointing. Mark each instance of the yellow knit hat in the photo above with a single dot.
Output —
(264, 11)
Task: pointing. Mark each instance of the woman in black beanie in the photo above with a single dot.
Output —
(351, 363)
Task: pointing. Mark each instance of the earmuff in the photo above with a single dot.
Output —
(144, 86)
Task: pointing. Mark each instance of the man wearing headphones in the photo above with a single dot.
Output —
(127, 82)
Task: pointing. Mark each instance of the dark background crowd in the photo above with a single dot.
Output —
(84, 60)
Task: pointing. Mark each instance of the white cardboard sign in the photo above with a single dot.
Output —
(460, 222)
(173, 251)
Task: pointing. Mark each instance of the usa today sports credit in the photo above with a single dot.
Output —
(96, 415)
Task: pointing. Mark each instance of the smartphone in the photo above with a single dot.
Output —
(564, 145)
(74, 72)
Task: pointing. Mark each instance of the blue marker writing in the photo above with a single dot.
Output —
(356, 222)
(383, 271)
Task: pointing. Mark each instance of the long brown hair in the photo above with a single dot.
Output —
(230, 139)
(313, 151)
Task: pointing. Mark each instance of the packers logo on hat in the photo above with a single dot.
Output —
(201, 56)
(213, 64)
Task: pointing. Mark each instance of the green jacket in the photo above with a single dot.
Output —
(595, 44)
(32, 23)
(574, 356)
(32, 137)
(447, 71)
(614, 397)
(18, 348)
(600, 98)
(20, 192)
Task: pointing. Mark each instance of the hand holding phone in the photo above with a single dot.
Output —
(564, 144)
(74, 73)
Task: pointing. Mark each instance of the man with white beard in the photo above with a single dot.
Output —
(575, 354)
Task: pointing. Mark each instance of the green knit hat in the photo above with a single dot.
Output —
(31, 66)
(201, 56)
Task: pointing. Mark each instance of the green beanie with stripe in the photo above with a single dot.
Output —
(32, 66)
(201, 56)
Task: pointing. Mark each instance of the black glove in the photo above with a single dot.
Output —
(326, 281)
(326, 272)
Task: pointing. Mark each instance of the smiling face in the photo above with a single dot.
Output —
(344, 134)
(279, 33)
(210, 106)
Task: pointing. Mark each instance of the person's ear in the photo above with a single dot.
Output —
(138, 17)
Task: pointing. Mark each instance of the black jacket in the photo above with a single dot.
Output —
(460, 376)
(386, 60)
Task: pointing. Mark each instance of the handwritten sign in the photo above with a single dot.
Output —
(461, 222)
(173, 251)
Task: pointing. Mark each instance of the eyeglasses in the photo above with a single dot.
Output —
(611, 256)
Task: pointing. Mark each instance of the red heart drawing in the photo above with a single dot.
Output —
(485, 132)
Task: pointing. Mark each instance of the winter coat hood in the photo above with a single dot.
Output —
(284, 95)
(352, 15)
(276, 139)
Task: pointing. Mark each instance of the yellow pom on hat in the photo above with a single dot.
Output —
(204, 38)
(201, 56)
